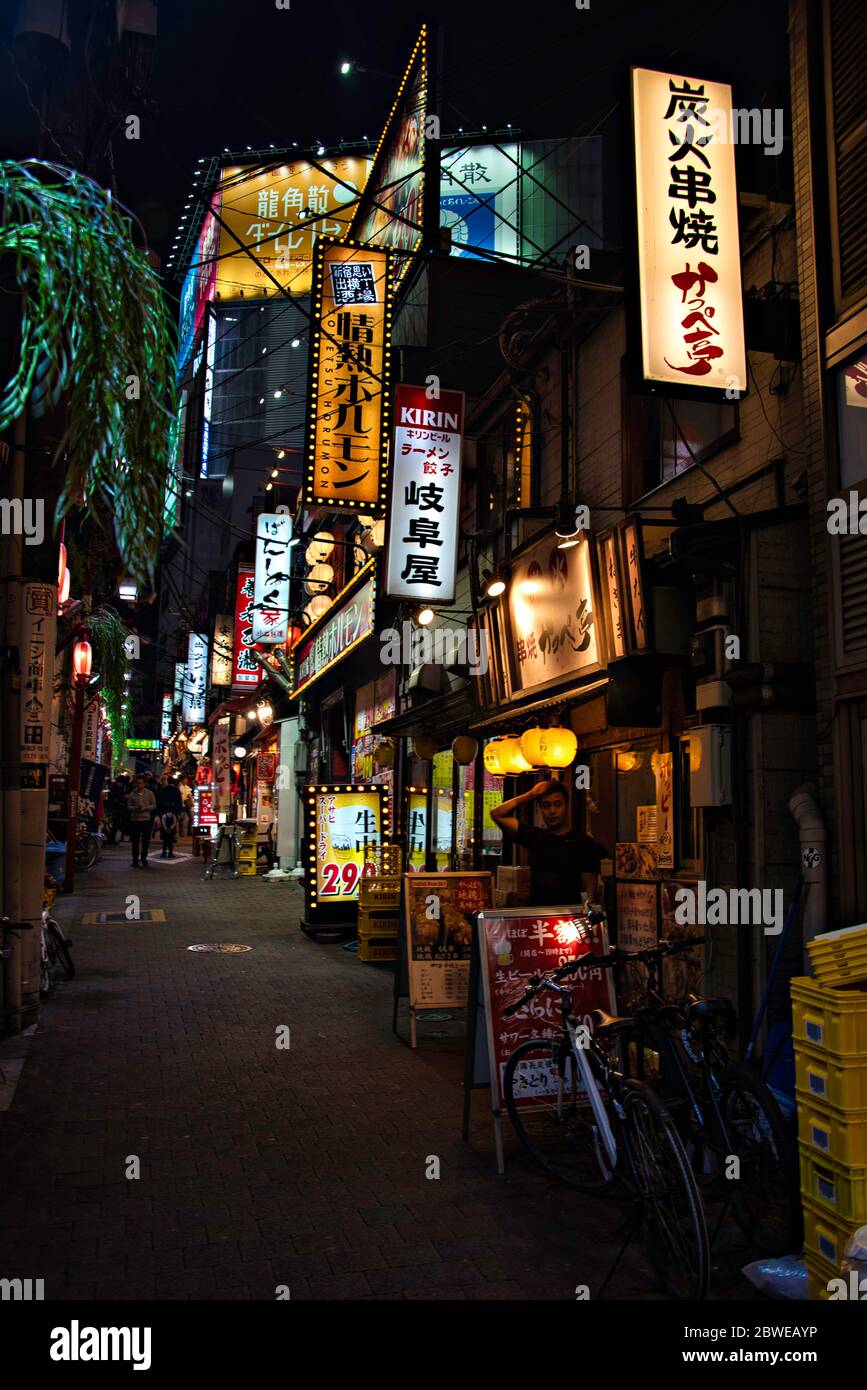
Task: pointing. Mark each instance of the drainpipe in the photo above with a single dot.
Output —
(814, 861)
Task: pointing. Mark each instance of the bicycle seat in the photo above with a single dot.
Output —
(607, 1026)
(708, 1008)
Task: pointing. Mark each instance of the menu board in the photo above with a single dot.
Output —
(439, 936)
(514, 944)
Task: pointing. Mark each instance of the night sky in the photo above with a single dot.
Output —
(238, 72)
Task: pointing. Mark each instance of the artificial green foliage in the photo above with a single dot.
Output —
(93, 318)
(108, 633)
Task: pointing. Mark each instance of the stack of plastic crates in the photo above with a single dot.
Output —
(245, 839)
(830, 1037)
(378, 909)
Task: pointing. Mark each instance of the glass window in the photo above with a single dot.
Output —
(852, 421)
(673, 434)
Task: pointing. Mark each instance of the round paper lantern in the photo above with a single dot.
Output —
(424, 747)
(65, 585)
(82, 660)
(549, 747)
(464, 749)
(319, 604)
(319, 548)
(319, 574)
(384, 755)
(512, 759)
(491, 758)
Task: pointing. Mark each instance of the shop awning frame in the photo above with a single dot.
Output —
(513, 713)
(443, 716)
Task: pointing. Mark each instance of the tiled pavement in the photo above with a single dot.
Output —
(263, 1167)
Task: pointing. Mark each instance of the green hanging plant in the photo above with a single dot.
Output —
(108, 633)
(95, 326)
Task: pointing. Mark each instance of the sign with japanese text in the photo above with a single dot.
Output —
(203, 808)
(90, 729)
(180, 674)
(390, 211)
(279, 213)
(632, 550)
(439, 936)
(350, 376)
(479, 189)
(514, 944)
(208, 390)
(246, 671)
(266, 767)
(664, 811)
(637, 921)
(166, 719)
(143, 745)
(426, 495)
(196, 679)
(272, 576)
(221, 786)
(348, 621)
(691, 298)
(91, 784)
(222, 650)
(551, 615)
(612, 585)
(38, 624)
(345, 828)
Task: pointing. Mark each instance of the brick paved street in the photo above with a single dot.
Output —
(260, 1166)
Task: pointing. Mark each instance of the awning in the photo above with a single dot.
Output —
(444, 717)
(514, 712)
(236, 706)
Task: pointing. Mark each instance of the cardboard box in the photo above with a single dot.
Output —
(511, 879)
(510, 899)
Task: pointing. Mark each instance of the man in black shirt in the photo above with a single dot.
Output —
(563, 864)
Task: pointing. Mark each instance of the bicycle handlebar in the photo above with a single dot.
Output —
(614, 957)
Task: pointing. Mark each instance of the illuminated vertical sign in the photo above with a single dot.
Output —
(180, 672)
(271, 581)
(221, 651)
(196, 681)
(691, 299)
(350, 376)
(207, 401)
(426, 495)
(166, 724)
(246, 671)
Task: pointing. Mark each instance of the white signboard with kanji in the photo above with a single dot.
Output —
(271, 582)
(37, 670)
(196, 681)
(426, 495)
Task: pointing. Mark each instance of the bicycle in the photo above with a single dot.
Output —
(56, 949)
(722, 1109)
(551, 1084)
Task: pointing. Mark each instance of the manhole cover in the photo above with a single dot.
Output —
(226, 947)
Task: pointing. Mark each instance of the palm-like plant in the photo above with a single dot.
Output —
(96, 329)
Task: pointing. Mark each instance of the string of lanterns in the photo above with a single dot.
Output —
(554, 747)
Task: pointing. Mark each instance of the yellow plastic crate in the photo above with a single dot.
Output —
(248, 869)
(835, 1019)
(379, 892)
(833, 1186)
(377, 923)
(825, 1234)
(832, 976)
(831, 1133)
(377, 949)
(837, 1081)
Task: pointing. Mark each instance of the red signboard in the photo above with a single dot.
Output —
(266, 767)
(203, 810)
(246, 671)
(517, 943)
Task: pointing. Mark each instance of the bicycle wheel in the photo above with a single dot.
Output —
(765, 1195)
(46, 983)
(85, 851)
(671, 1218)
(58, 948)
(549, 1114)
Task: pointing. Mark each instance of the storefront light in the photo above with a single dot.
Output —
(494, 582)
(512, 760)
(424, 616)
(628, 761)
(265, 712)
(555, 747)
(239, 751)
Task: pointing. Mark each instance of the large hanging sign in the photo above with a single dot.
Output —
(271, 581)
(426, 495)
(691, 298)
(345, 829)
(347, 622)
(479, 187)
(208, 392)
(246, 671)
(180, 678)
(279, 213)
(552, 619)
(350, 375)
(222, 650)
(390, 211)
(196, 680)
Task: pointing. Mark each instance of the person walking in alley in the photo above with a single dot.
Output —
(141, 805)
(168, 833)
(115, 803)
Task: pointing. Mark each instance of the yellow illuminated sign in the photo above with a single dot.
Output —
(691, 299)
(278, 214)
(350, 376)
(345, 829)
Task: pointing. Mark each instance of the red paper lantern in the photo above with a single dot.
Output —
(82, 659)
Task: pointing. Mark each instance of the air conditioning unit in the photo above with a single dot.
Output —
(710, 765)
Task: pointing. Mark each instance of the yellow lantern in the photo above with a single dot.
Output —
(491, 758)
(549, 747)
(385, 755)
(511, 758)
(629, 761)
(424, 747)
(319, 548)
(464, 749)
